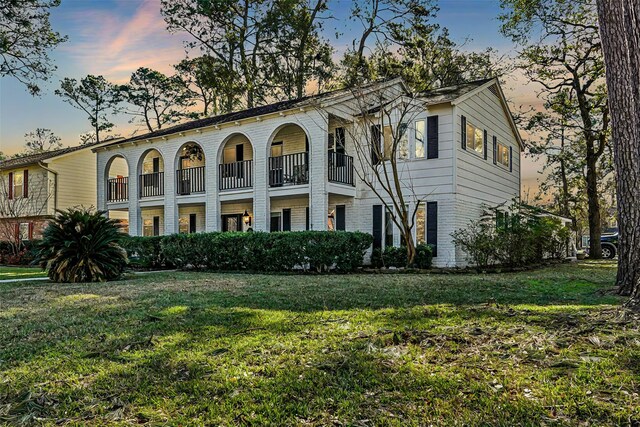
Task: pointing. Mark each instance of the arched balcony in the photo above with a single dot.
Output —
(236, 163)
(190, 170)
(117, 178)
(151, 178)
(289, 157)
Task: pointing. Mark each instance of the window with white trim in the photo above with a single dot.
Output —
(24, 231)
(18, 184)
(403, 143)
(475, 139)
(502, 154)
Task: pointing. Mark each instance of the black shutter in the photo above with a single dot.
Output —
(495, 150)
(377, 226)
(432, 226)
(286, 219)
(192, 223)
(432, 137)
(156, 225)
(463, 131)
(340, 218)
(376, 144)
(486, 143)
(510, 159)
(306, 219)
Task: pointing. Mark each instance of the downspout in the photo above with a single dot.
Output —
(55, 184)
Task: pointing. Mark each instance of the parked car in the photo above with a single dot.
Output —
(609, 242)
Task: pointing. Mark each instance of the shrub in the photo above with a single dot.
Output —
(145, 252)
(257, 251)
(81, 245)
(397, 257)
(24, 255)
(522, 238)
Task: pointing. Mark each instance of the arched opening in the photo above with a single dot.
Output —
(236, 163)
(117, 176)
(190, 172)
(151, 169)
(289, 156)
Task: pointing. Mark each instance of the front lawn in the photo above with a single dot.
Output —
(547, 347)
(7, 273)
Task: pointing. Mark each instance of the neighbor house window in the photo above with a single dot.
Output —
(475, 139)
(502, 153)
(419, 138)
(18, 184)
(421, 224)
(24, 231)
(403, 143)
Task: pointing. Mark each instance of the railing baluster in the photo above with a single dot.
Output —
(340, 168)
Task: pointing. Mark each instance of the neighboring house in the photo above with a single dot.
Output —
(292, 165)
(32, 187)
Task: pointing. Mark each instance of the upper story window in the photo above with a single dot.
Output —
(403, 143)
(502, 154)
(420, 139)
(475, 139)
(18, 185)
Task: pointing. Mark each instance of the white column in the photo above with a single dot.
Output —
(261, 201)
(170, 206)
(318, 196)
(135, 218)
(212, 208)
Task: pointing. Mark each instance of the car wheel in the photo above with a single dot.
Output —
(608, 252)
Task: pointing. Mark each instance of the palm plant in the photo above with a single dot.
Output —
(82, 245)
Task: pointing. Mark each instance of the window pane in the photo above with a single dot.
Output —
(470, 136)
(17, 184)
(403, 145)
(147, 227)
(419, 138)
(24, 231)
(479, 141)
(421, 225)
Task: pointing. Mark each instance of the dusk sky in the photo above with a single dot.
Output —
(114, 37)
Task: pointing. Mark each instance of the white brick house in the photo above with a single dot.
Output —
(291, 166)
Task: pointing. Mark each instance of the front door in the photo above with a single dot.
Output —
(232, 222)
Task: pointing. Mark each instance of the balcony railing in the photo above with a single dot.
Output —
(290, 169)
(152, 184)
(341, 168)
(118, 189)
(235, 175)
(190, 180)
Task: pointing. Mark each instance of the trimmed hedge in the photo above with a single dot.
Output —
(255, 251)
(397, 257)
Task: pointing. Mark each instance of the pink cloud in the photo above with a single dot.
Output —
(114, 46)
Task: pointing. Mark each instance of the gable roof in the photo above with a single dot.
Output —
(36, 158)
(450, 93)
(305, 101)
(458, 93)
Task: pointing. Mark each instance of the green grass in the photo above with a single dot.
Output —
(7, 273)
(547, 347)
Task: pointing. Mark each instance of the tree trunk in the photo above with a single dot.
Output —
(620, 32)
(595, 226)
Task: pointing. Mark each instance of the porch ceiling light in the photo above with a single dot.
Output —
(246, 217)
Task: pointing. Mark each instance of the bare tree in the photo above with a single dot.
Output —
(28, 198)
(379, 129)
